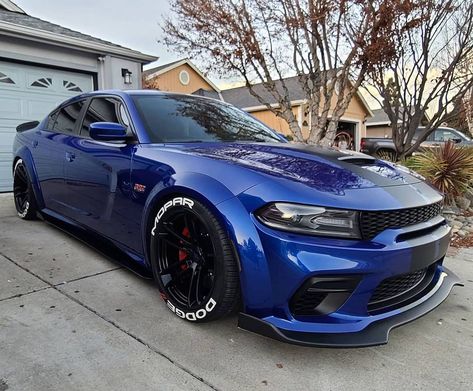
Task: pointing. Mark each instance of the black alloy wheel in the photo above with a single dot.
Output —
(194, 263)
(25, 203)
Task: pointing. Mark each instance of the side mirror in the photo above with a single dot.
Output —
(107, 131)
(457, 140)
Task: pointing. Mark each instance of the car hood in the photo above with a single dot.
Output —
(325, 169)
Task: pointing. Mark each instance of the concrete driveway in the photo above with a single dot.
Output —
(72, 320)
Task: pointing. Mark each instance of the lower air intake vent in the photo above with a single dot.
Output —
(396, 291)
(307, 302)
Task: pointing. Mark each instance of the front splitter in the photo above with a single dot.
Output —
(376, 333)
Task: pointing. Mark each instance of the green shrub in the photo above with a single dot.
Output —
(448, 168)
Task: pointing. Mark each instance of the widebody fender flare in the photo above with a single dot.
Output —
(24, 154)
(233, 215)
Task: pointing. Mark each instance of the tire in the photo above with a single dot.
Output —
(193, 261)
(25, 201)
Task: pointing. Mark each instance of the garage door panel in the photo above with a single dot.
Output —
(29, 93)
(36, 109)
(56, 83)
(6, 140)
(10, 108)
(6, 179)
(10, 78)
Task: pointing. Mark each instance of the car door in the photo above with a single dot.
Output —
(49, 154)
(441, 136)
(98, 173)
(428, 142)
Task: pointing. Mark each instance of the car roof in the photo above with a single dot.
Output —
(440, 127)
(124, 93)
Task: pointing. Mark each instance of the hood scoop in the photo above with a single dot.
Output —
(359, 160)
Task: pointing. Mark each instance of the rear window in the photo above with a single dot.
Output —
(67, 117)
(183, 118)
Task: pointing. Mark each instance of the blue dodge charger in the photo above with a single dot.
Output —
(313, 246)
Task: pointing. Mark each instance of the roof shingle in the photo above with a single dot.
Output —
(241, 96)
(28, 21)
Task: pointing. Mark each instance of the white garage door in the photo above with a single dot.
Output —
(28, 93)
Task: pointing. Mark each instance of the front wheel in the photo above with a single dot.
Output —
(193, 261)
(25, 202)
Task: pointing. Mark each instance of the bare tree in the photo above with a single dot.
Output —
(428, 73)
(330, 45)
(461, 116)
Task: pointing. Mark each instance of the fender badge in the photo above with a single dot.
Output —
(139, 188)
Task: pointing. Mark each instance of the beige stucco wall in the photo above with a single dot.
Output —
(274, 122)
(356, 112)
(169, 81)
(379, 131)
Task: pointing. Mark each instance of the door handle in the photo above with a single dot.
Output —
(70, 156)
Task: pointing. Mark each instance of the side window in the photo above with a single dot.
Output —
(105, 110)
(67, 117)
(444, 135)
(51, 120)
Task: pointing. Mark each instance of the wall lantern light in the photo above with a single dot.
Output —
(126, 74)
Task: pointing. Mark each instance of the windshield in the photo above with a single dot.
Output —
(465, 137)
(183, 118)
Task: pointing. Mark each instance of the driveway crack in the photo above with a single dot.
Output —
(25, 293)
(110, 321)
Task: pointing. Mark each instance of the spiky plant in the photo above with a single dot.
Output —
(448, 168)
(387, 155)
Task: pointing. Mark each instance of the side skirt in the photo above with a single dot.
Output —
(99, 243)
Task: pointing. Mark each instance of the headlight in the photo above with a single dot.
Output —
(311, 220)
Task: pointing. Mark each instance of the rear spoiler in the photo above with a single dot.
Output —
(27, 126)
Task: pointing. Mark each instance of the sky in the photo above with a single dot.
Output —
(133, 24)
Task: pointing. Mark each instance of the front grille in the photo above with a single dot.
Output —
(396, 291)
(372, 223)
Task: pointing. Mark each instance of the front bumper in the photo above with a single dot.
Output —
(293, 260)
(376, 333)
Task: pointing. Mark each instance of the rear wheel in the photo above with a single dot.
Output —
(193, 261)
(23, 194)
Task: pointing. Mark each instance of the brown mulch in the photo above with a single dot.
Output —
(467, 213)
(458, 241)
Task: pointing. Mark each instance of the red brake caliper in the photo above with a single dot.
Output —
(183, 254)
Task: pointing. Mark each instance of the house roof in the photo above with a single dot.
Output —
(380, 118)
(242, 98)
(159, 70)
(14, 21)
(10, 6)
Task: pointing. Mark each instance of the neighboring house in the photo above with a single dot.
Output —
(184, 77)
(379, 124)
(351, 127)
(180, 76)
(42, 64)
